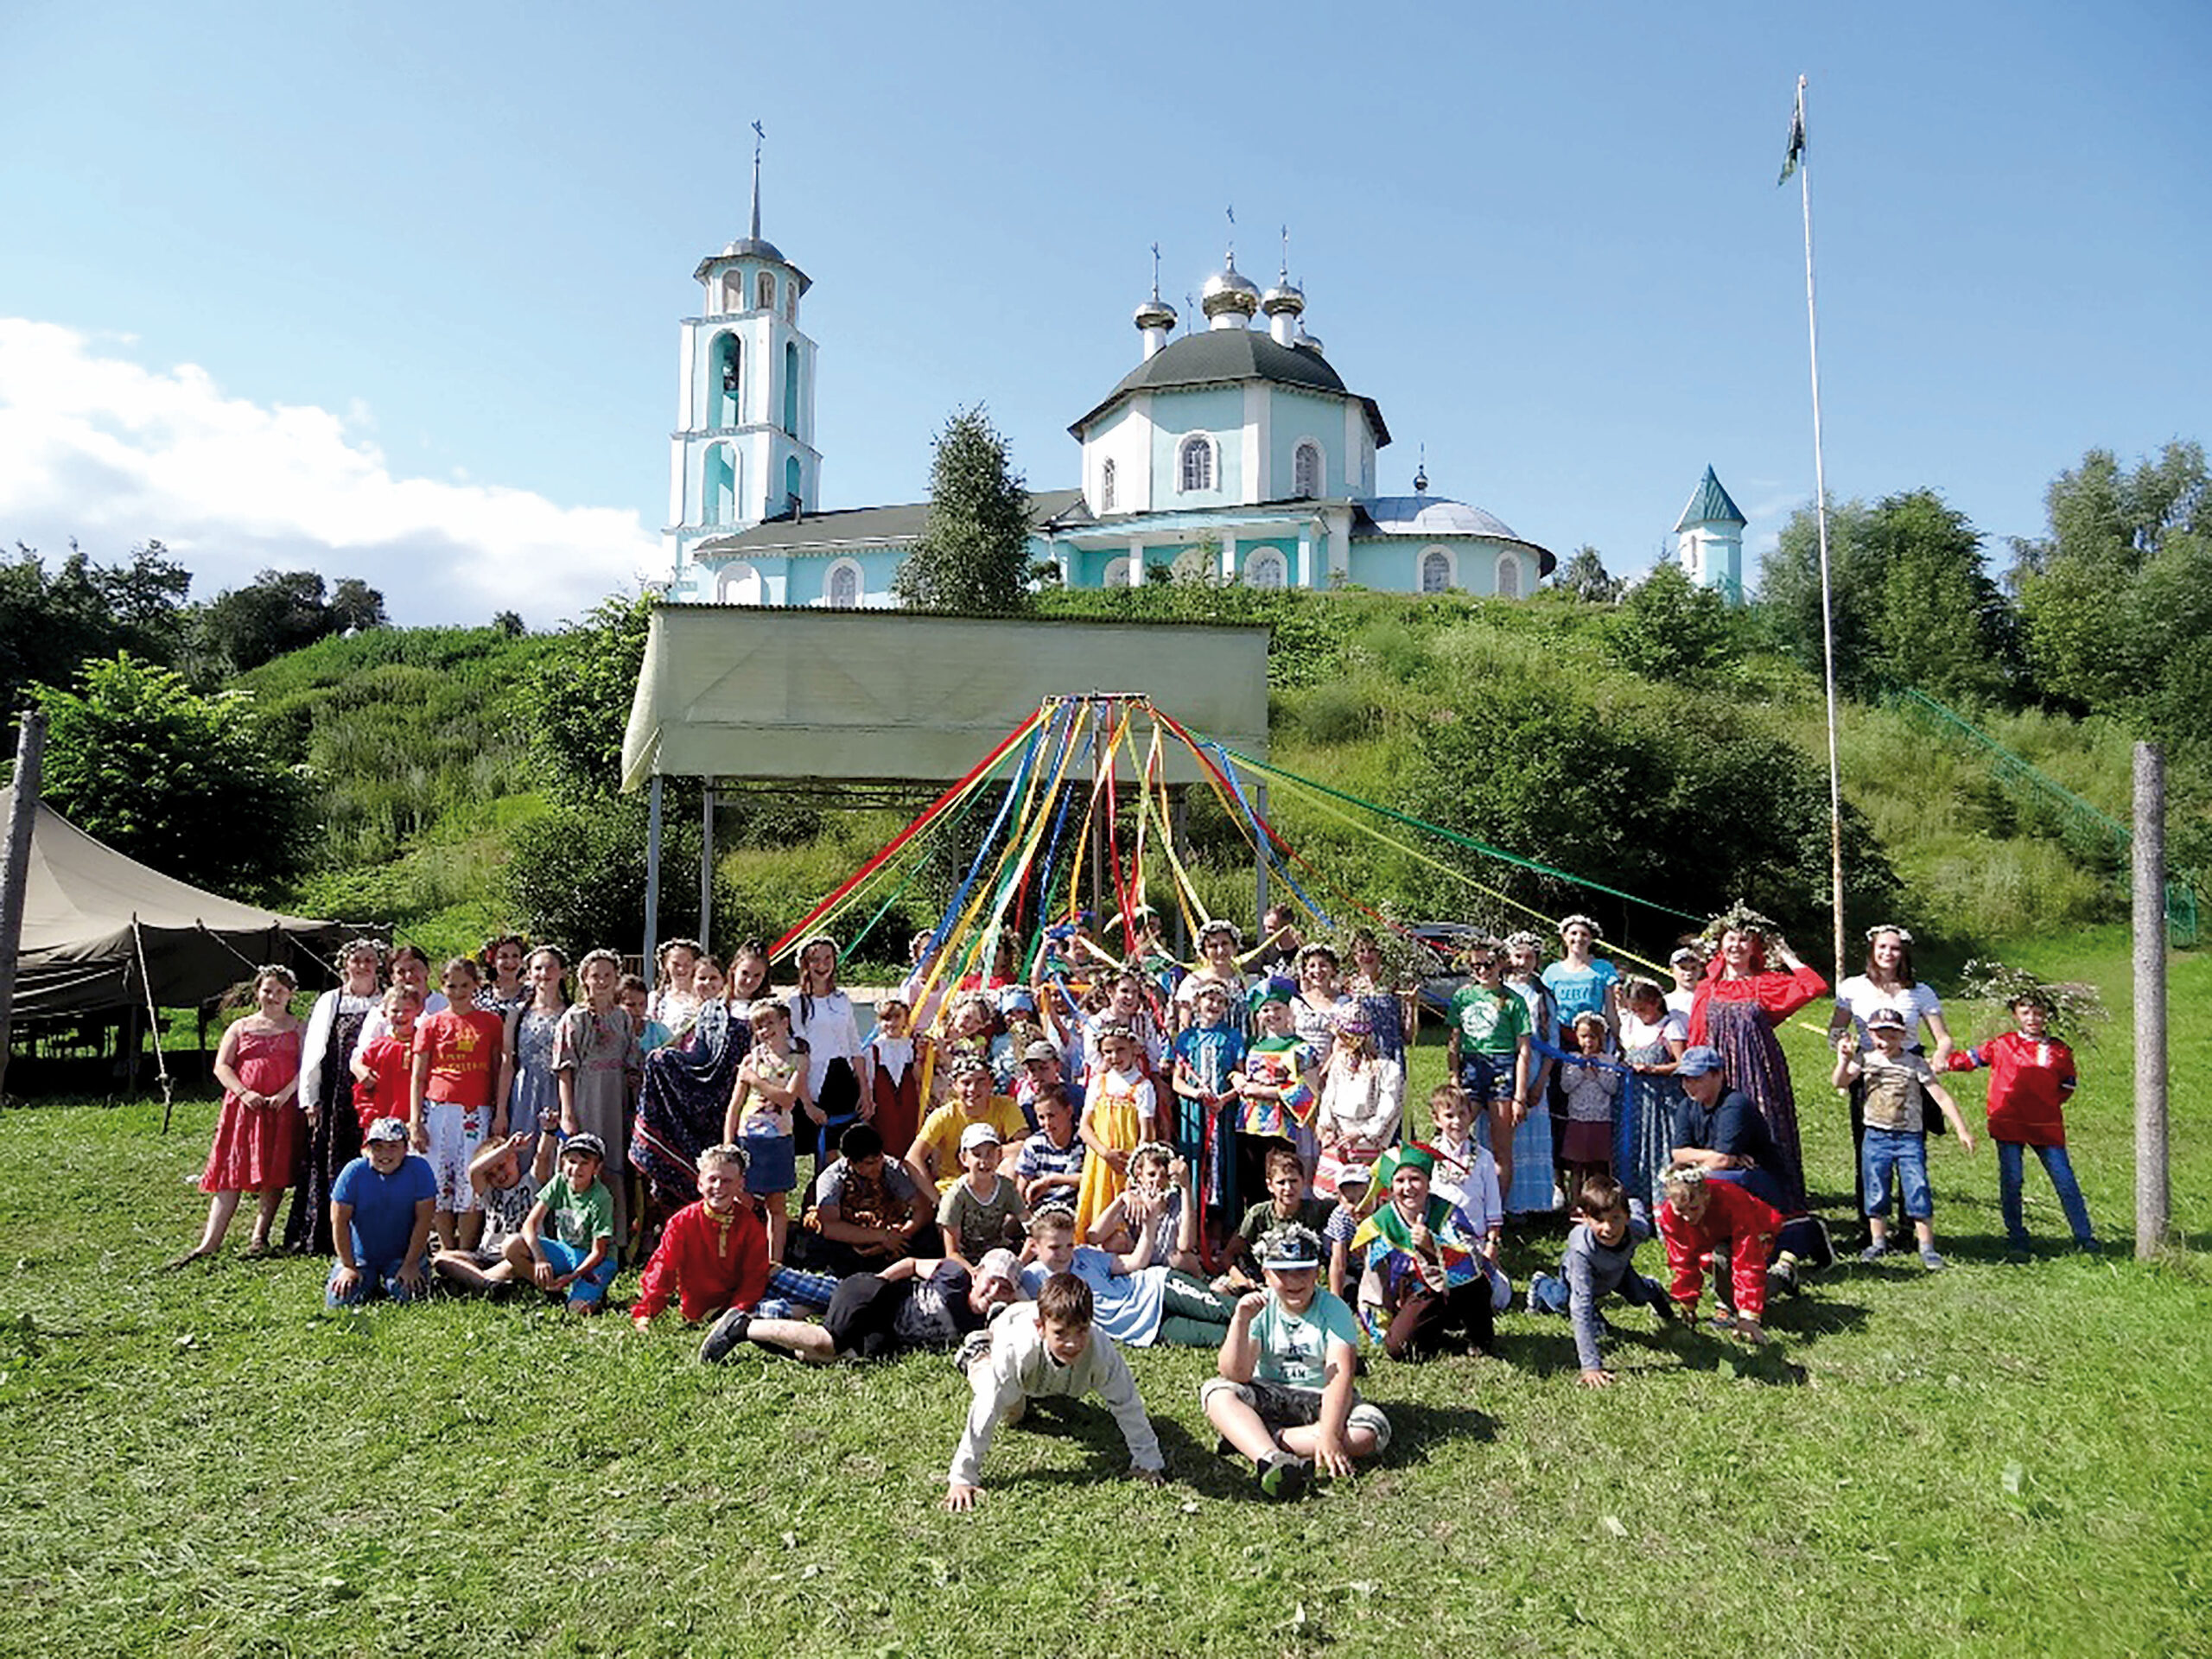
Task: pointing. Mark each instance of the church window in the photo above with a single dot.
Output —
(725, 391)
(1509, 577)
(1305, 472)
(790, 388)
(791, 492)
(1265, 568)
(1106, 487)
(733, 291)
(1117, 573)
(1435, 570)
(791, 302)
(844, 585)
(1194, 466)
(764, 294)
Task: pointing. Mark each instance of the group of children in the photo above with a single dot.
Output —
(1055, 1171)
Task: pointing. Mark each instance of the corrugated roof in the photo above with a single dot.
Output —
(1709, 505)
(851, 526)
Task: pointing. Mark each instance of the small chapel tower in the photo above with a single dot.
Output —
(1709, 540)
(743, 447)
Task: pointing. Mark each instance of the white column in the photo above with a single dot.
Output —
(1304, 576)
(1339, 547)
(1229, 558)
(1136, 561)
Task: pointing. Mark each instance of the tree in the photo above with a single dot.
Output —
(281, 611)
(181, 782)
(577, 709)
(50, 623)
(355, 607)
(973, 553)
(1671, 628)
(1584, 577)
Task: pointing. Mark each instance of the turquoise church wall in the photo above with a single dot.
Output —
(1296, 417)
(1218, 411)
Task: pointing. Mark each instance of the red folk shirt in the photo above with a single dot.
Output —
(2029, 1081)
(1741, 1222)
(706, 1263)
(464, 1046)
(1779, 994)
(383, 1093)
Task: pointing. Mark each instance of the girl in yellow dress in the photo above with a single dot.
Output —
(1120, 1114)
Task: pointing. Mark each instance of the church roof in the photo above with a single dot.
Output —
(1224, 356)
(1439, 518)
(1710, 505)
(859, 526)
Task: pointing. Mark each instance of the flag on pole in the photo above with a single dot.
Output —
(1796, 153)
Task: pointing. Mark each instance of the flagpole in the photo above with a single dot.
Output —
(1820, 513)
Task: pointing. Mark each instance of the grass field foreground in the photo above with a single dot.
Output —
(1992, 1459)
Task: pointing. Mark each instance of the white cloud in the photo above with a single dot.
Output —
(95, 446)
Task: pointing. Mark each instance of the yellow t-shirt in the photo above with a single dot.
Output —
(943, 1128)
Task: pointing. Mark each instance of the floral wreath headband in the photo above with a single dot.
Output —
(1579, 920)
(1524, 940)
(1904, 935)
(1159, 1149)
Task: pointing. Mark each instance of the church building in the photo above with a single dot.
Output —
(1234, 450)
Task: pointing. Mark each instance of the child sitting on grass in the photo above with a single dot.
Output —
(505, 1188)
(2031, 1078)
(982, 1210)
(1599, 1260)
(1050, 1168)
(1158, 1197)
(1286, 1202)
(1898, 1087)
(1705, 1220)
(1050, 1350)
(567, 1241)
(381, 1210)
(1285, 1396)
(713, 1255)
(1466, 1178)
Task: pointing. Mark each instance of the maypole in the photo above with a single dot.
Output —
(1796, 160)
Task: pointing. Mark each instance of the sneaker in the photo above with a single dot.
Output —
(1874, 1252)
(2089, 1247)
(726, 1332)
(1547, 1294)
(1782, 1277)
(977, 1345)
(1932, 1259)
(1282, 1477)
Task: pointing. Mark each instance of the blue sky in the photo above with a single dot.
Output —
(392, 290)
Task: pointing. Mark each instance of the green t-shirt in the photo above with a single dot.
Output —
(1294, 1347)
(576, 1218)
(977, 1225)
(1489, 1022)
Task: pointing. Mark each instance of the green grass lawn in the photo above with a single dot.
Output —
(1993, 1460)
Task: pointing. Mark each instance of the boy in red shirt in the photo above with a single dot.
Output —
(1704, 1221)
(712, 1254)
(2030, 1075)
(382, 1068)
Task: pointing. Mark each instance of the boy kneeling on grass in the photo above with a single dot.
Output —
(1041, 1350)
(1599, 1260)
(1285, 1396)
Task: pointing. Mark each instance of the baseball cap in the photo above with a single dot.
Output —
(1696, 1062)
(978, 1134)
(1287, 1249)
(385, 1128)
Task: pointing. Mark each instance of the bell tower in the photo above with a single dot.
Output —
(743, 447)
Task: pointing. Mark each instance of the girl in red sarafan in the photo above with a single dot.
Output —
(257, 1063)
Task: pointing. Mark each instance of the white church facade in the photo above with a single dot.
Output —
(1235, 451)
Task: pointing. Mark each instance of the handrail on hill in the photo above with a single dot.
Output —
(2182, 886)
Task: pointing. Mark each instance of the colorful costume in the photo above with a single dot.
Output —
(1736, 1223)
(333, 1137)
(707, 1263)
(682, 1105)
(1119, 1103)
(1737, 1017)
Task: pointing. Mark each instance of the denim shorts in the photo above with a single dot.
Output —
(1901, 1153)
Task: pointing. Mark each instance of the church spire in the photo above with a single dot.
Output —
(758, 136)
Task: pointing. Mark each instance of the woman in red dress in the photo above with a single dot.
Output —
(257, 1063)
(1738, 1003)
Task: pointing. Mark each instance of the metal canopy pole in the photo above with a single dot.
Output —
(707, 865)
(652, 876)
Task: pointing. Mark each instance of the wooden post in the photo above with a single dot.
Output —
(15, 874)
(2154, 1195)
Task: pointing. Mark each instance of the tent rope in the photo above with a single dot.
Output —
(154, 1025)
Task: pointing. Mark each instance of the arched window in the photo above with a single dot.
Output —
(791, 302)
(792, 495)
(790, 388)
(1117, 573)
(765, 293)
(1305, 472)
(1435, 570)
(718, 487)
(1266, 568)
(726, 389)
(1194, 465)
(844, 590)
(739, 584)
(1509, 577)
(1106, 487)
(733, 291)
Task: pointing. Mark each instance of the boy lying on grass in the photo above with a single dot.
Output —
(1046, 1348)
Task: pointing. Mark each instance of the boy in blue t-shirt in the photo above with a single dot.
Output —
(381, 1210)
(1285, 1396)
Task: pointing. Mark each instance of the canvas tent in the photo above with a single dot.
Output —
(91, 916)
